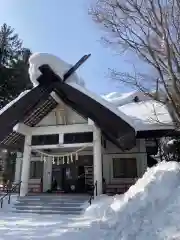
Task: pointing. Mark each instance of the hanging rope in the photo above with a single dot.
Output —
(61, 157)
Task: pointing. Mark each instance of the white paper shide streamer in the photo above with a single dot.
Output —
(60, 159)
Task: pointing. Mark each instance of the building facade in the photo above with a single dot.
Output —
(69, 139)
(65, 145)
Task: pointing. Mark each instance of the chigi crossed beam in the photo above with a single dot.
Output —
(75, 67)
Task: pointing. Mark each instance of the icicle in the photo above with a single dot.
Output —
(76, 156)
(63, 159)
(58, 161)
(71, 158)
(44, 159)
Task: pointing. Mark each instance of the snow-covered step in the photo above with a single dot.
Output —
(78, 209)
(51, 204)
(54, 204)
(50, 212)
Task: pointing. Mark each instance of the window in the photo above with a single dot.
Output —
(45, 139)
(124, 168)
(78, 137)
(36, 169)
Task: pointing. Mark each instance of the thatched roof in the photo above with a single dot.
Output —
(37, 103)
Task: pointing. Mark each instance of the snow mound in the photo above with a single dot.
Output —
(149, 210)
(59, 66)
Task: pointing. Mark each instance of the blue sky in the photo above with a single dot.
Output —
(65, 29)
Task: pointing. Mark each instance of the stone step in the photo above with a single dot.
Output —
(58, 196)
(46, 212)
(54, 200)
(50, 204)
(47, 208)
(68, 205)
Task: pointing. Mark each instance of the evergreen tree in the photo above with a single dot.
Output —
(13, 65)
(14, 78)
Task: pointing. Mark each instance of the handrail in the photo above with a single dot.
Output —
(92, 195)
(9, 192)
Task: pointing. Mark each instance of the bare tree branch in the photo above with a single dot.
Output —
(150, 29)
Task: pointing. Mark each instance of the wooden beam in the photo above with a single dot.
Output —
(22, 129)
(61, 129)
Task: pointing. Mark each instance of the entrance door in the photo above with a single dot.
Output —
(69, 180)
(57, 176)
(73, 178)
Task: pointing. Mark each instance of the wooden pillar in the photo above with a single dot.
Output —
(97, 159)
(25, 166)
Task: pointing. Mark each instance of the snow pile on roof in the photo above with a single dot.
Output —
(149, 210)
(119, 99)
(59, 66)
(146, 114)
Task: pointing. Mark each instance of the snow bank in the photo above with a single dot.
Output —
(149, 210)
(99, 207)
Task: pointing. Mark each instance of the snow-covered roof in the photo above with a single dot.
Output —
(13, 101)
(146, 114)
(119, 115)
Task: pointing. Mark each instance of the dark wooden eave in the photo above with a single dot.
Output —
(37, 103)
(30, 109)
(158, 133)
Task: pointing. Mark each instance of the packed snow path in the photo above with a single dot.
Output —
(31, 226)
(44, 225)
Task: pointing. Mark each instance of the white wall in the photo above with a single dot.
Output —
(73, 117)
(49, 120)
(111, 151)
(61, 115)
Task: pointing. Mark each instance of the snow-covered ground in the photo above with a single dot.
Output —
(149, 210)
